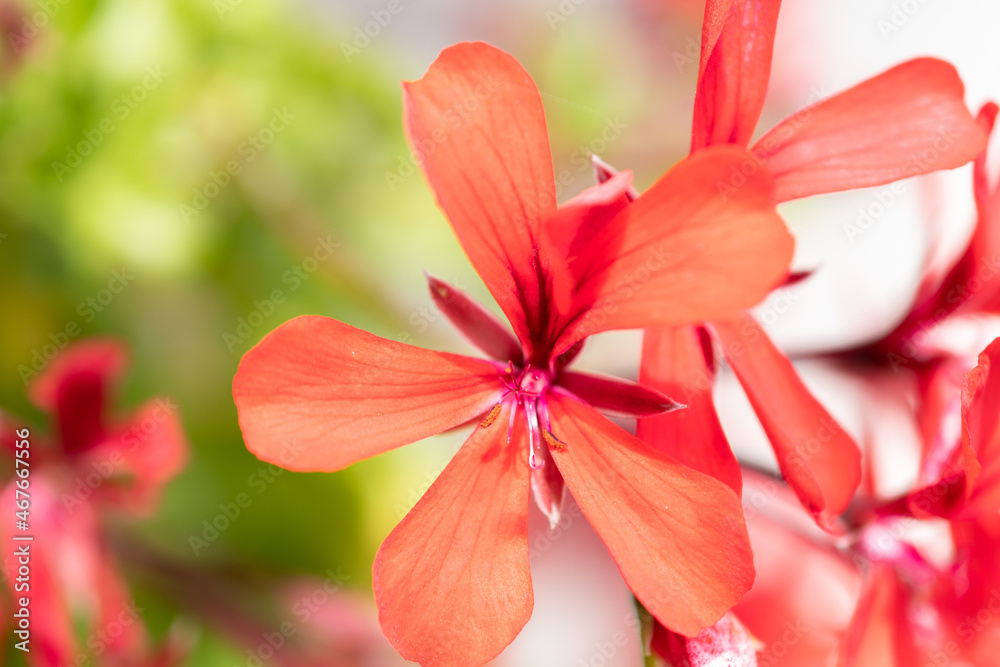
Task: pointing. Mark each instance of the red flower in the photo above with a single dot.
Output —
(87, 466)
(910, 609)
(933, 348)
(907, 121)
(452, 580)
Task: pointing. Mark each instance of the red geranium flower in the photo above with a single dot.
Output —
(953, 316)
(86, 466)
(874, 596)
(907, 121)
(452, 580)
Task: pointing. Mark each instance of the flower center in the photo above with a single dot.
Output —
(527, 389)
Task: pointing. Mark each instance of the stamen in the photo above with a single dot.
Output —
(552, 441)
(510, 424)
(534, 461)
(492, 417)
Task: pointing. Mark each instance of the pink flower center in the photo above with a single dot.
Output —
(527, 389)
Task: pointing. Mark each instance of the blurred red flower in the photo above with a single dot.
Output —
(86, 466)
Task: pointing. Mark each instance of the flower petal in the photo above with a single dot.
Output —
(968, 485)
(318, 395)
(805, 591)
(616, 397)
(696, 245)
(880, 632)
(818, 458)
(734, 70)
(567, 234)
(978, 265)
(75, 387)
(679, 362)
(139, 457)
(476, 100)
(548, 489)
(452, 581)
(477, 324)
(907, 121)
(677, 536)
(60, 538)
(980, 431)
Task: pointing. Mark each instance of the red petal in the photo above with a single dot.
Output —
(549, 489)
(677, 536)
(52, 633)
(978, 265)
(817, 457)
(969, 484)
(75, 389)
(140, 457)
(616, 397)
(452, 581)
(981, 432)
(568, 250)
(907, 121)
(477, 324)
(677, 362)
(880, 634)
(476, 100)
(805, 591)
(318, 395)
(696, 245)
(735, 67)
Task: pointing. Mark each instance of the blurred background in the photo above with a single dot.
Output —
(240, 162)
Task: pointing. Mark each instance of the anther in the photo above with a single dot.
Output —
(492, 417)
(552, 441)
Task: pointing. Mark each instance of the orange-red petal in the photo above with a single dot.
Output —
(476, 122)
(318, 395)
(139, 457)
(817, 457)
(677, 536)
(452, 581)
(907, 121)
(737, 39)
(678, 362)
(704, 241)
(880, 634)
